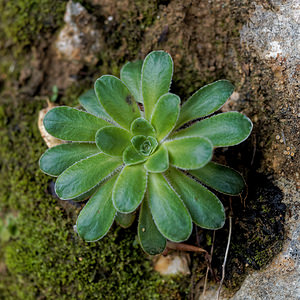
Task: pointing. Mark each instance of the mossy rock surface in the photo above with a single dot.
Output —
(46, 259)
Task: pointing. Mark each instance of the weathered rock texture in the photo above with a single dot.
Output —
(79, 39)
(274, 36)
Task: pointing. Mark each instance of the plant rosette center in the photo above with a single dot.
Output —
(144, 145)
(126, 159)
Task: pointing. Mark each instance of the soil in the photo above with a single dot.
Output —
(203, 38)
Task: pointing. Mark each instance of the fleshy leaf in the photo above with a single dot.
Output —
(92, 105)
(132, 157)
(125, 220)
(117, 100)
(84, 175)
(70, 124)
(226, 129)
(131, 75)
(169, 213)
(130, 188)
(165, 115)
(158, 162)
(220, 178)
(141, 126)
(150, 238)
(157, 74)
(205, 101)
(205, 208)
(112, 140)
(190, 152)
(86, 195)
(56, 159)
(97, 216)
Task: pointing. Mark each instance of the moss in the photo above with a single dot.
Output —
(47, 260)
(25, 22)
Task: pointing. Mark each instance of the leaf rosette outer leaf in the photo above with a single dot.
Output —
(70, 124)
(83, 175)
(98, 214)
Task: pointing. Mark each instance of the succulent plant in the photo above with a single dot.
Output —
(135, 146)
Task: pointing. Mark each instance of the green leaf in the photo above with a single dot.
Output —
(169, 213)
(158, 162)
(205, 101)
(125, 220)
(132, 157)
(84, 175)
(150, 238)
(205, 208)
(157, 74)
(165, 115)
(113, 140)
(97, 216)
(56, 159)
(140, 126)
(130, 188)
(220, 178)
(226, 129)
(131, 75)
(144, 145)
(117, 100)
(189, 152)
(87, 194)
(92, 105)
(70, 124)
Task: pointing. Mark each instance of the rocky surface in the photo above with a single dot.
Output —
(79, 39)
(281, 279)
(274, 35)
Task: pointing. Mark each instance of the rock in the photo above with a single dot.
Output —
(79, 39)
(275, 34)
(281, 279)
(174, 263)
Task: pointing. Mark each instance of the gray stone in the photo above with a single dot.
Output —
(281, 279)
(79, 39)
(274, 34)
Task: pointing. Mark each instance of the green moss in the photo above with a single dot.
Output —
(25, 22)
(47, 259)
